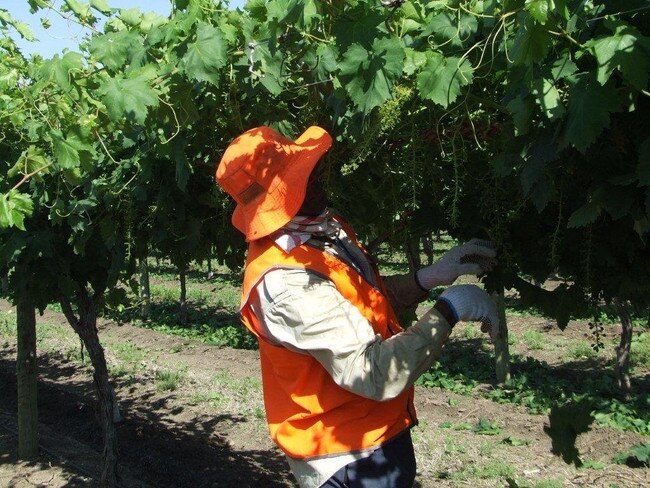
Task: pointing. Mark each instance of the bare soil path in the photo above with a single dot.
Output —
(208, 429)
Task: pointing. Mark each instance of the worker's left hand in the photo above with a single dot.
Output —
(472, 258)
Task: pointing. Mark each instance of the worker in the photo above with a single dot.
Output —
(337, 368)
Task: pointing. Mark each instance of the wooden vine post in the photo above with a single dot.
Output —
(26, 372)
(501, 348)
(145, 289)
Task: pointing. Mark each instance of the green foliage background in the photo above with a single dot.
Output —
(525, 121)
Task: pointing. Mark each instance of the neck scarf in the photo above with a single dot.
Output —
(302, 228)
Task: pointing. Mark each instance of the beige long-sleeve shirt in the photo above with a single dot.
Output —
(303, 311)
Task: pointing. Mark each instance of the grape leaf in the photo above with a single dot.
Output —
(270, 66)
(128, 98)
(21, 27)
(414, 61)
(60, 69)
(206, 56)
(151, 20)
(130, 16)
(643, 170)
(624, 52)
(113, 49)
(548, 98)
(447, 29)
(539, 9)
(81, 10)
(66, 149)
(588, 112)
(32, 159)
(14, 207)
(357, 29)
(101, 6)
(531, 43)
(522, 110)
(541, 152)
(563, 67)
(368, 74)
(299, 13)
(587, 214)
(257, 9)
(442, 78)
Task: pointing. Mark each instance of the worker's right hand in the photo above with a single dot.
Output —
(471, 303)
(472, 258)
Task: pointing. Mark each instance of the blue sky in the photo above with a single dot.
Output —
(66, 34)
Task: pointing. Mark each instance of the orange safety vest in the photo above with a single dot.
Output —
(308, 414)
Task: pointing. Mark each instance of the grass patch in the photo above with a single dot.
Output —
(452, 447)
(8, 324)
(236, 336)
(550, 483)
(640, 353)
(581, 350)
(168, 380)
(471, 332)
(491, 470)
(539, 387)
(591, 464)
(129, 352)
(213, 398)
(243, 386)
(533, 339)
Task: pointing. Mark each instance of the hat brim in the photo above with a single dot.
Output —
(281, 203)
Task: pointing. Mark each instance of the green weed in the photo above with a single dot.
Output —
(533, 339)
(168, 380)
(123, 372)
(591, 464)
(491, 470)
(539, 387)
(581, 350)
(640, 353)
(453, 447)
(235, 336)
(438, 377)
(243, 386)
(213, 398)
(486, 449)
(485, 427)
(129, 352)
(471, 332)
(259, 413)
(638, 456)
(551, 483)
(515, 441)
(55, 307)
(8, 325)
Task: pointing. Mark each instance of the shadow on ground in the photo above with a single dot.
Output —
(156, 449)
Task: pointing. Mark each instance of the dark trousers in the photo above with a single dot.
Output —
(390, 466)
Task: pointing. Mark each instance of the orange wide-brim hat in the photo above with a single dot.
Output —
(267, 173)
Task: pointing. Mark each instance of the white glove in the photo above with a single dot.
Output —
(472, 258)
(470, 303)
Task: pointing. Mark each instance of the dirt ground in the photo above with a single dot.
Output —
(209, 430)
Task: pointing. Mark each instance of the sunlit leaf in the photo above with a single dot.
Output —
(369, 75)
(128, 98)
(205, 56)
(441, 79)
